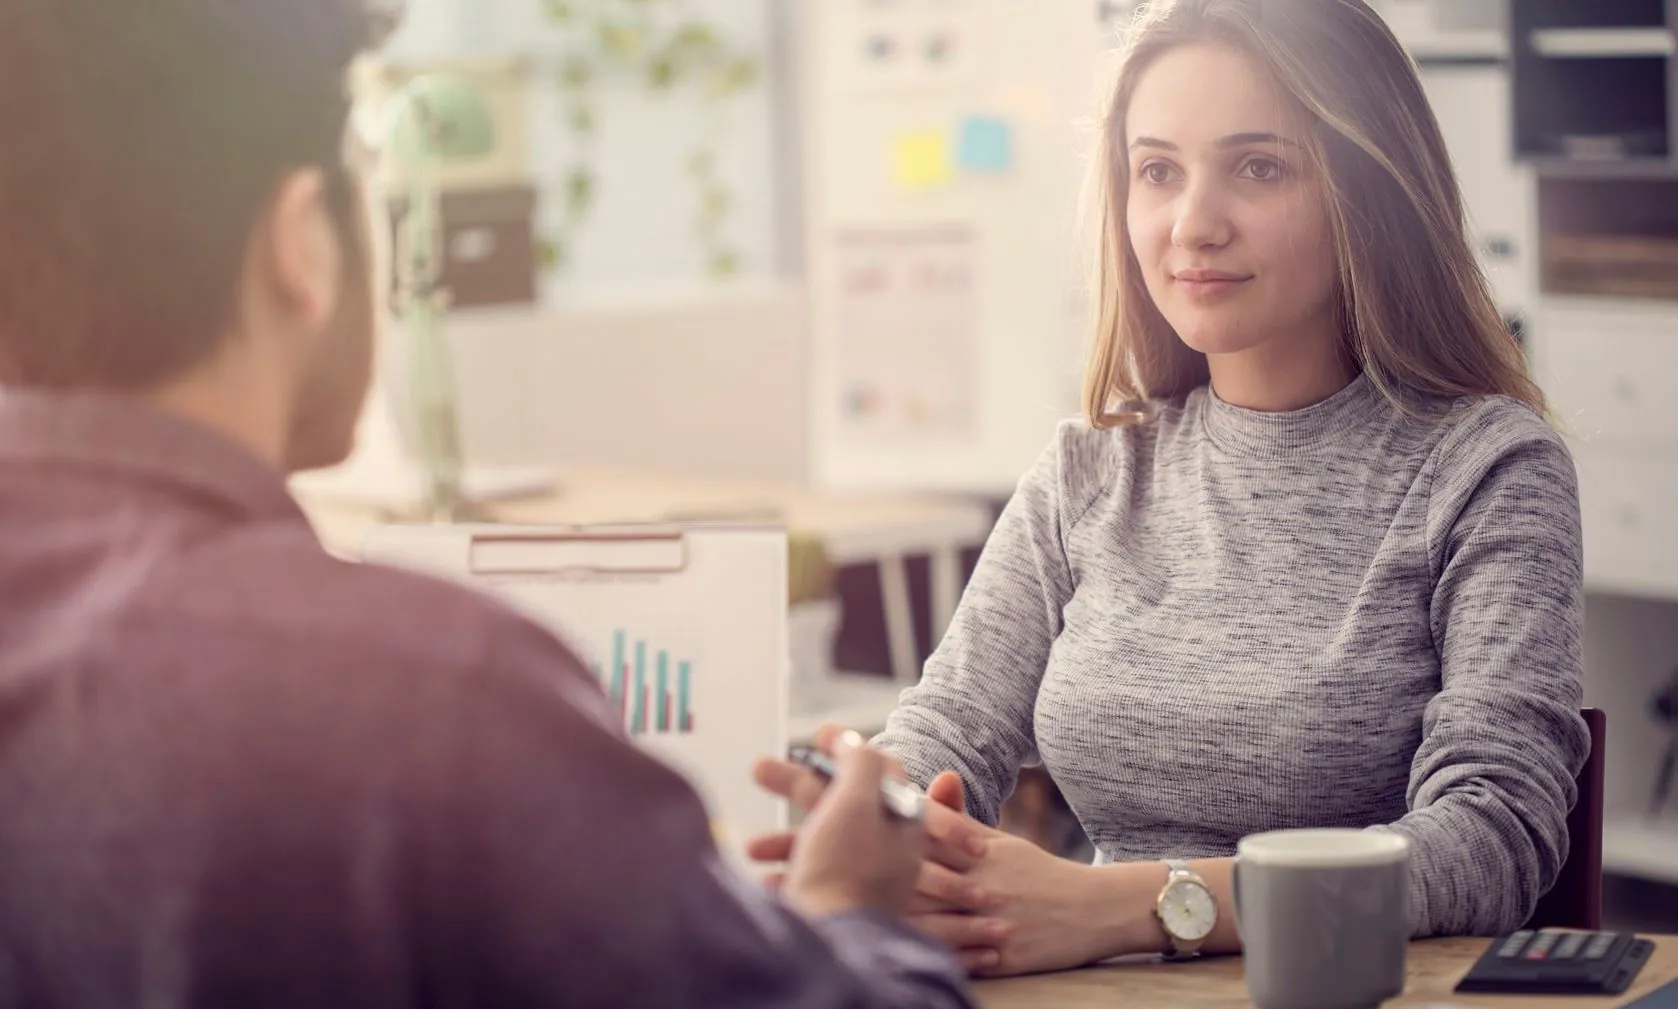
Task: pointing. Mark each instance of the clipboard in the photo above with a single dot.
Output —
(684, 626)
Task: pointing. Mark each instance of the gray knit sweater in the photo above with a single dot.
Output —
(1226, 621)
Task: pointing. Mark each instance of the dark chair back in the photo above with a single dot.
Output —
(1576, 899)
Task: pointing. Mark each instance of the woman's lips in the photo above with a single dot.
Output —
(1208, 283)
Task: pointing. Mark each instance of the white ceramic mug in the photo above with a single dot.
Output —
(1324, 917)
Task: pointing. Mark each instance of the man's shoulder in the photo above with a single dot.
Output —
(285, 654)
(273, 590)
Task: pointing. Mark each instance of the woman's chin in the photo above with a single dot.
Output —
(1212, 341)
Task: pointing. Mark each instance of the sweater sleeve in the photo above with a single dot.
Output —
(973, 710)
(1493, 780)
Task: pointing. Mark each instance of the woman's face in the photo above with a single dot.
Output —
(1225, 218)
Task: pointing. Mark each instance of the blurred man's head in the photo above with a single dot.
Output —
(182, 217)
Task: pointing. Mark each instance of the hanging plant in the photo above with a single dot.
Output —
(660, 44)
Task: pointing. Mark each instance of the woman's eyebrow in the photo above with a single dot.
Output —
(1224, 143)
(1244, 139)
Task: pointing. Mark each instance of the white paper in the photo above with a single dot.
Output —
(907, 335)
(706, 645)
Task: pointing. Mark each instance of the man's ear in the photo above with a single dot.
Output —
(299, 249)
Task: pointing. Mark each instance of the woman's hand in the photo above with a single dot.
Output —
(1040, 913)
(941, 888)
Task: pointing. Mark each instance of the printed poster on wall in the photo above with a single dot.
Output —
(906, 339)
(909, 47)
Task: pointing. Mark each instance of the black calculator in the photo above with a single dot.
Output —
(1558, 962)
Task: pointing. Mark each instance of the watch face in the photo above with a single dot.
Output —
(1188, 910)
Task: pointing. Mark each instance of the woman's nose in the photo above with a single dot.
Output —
(1201, 220)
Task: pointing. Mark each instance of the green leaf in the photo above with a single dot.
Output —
(550, 255)
(661, 73)
(695, 39)
(717, 203)
(725, 263)
(743, 72)
(577, 71)
(582, 120)
(620, 41)
(579, 190)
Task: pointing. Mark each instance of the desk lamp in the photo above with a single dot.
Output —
(433, 121)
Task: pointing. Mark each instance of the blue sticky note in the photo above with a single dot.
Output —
(985, 144)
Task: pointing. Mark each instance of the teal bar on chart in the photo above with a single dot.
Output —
(652, 698)
(684, 677)
(640, 723)
(663, 691)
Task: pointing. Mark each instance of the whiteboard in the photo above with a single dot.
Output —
(946, 135)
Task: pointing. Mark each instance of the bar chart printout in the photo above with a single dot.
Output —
(651, 690)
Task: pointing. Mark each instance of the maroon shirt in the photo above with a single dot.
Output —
(235, 771)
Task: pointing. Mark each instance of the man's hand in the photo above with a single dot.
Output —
(851, 855)
(956, 841)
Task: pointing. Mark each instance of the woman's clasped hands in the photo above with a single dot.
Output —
(1004, 904)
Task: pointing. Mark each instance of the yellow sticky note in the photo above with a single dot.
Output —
(921, 160)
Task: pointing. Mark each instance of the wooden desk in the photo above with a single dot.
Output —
(1436, 965)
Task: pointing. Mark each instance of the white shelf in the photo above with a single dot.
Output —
(1638, 847)
(1463, 45)
(1604, 42)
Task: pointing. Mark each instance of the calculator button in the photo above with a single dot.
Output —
(1598, 947)
(1540, 946)
(1513, 945)
(1568, 948)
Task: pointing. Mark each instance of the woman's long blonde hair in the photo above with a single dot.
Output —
(1416, 312)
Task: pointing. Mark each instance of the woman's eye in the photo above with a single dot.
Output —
(1263, 169)
(1156, 174)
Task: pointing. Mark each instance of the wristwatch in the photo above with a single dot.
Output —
(1186, 910)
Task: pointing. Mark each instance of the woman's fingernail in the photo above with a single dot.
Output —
(996, 929)
(850, 739)
(975, 895)
(976, 845)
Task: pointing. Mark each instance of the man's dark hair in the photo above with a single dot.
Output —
(142, 141)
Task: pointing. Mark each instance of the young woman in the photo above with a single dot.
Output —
(1312, 558)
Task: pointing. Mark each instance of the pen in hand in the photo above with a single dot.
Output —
(901, 801)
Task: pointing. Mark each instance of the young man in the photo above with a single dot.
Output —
(237, 772)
